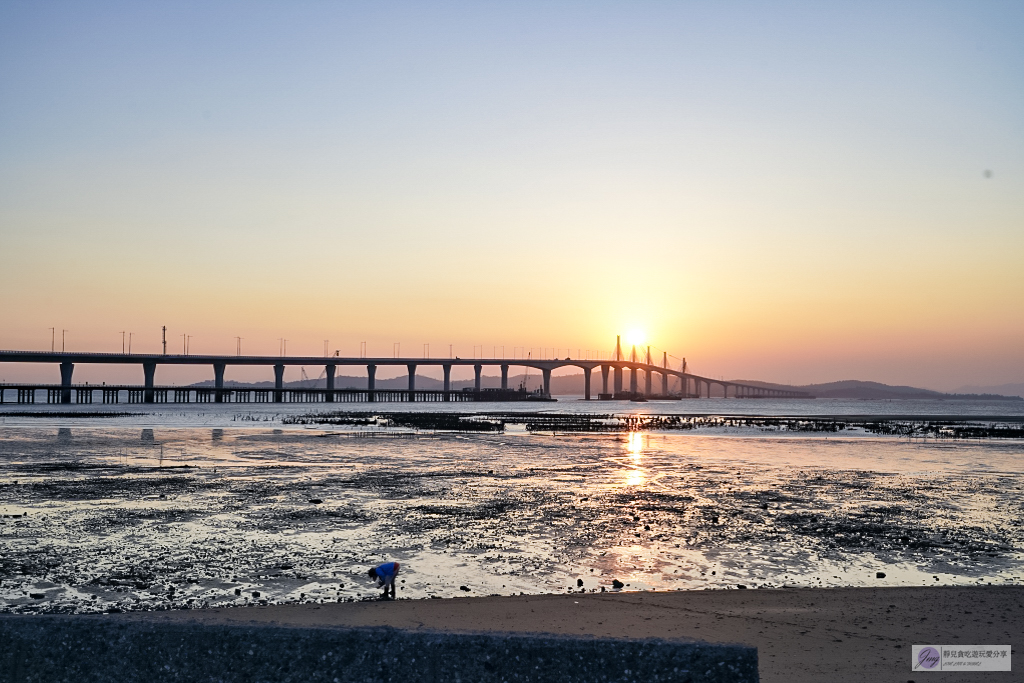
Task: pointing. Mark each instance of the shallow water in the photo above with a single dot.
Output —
(271, 414)
(100, 515)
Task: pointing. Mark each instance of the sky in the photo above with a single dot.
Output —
(789, 192)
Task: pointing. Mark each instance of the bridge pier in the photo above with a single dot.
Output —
(329, 396)
(647, 382)
(547, 380)
(618, 379)
(412, 381)
(278, 383)
(664, 375)
(477, 369)
(149, 371)
(633, 374)
(586, 384)
(504, 377)
(604, 380)
(218, 382)
(66, 369)
(447, 381)
(371, 383)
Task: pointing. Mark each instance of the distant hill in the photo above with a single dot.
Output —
(858, 389)
(1013, 389)
(572, 385)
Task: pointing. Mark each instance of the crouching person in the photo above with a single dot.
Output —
(385, 575)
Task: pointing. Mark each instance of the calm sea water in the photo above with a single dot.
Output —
(209, 505)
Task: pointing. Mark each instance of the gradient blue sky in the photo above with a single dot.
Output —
(792, 192)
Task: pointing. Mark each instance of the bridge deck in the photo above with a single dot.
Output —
(614, 368)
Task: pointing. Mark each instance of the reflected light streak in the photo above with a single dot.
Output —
(635, 446)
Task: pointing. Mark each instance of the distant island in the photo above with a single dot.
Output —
(572, 385)
(857, 389)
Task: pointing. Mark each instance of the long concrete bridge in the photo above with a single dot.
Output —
(612, 378)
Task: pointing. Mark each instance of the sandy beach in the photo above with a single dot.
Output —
(802, 635)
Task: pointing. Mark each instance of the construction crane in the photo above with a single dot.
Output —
(306, 378)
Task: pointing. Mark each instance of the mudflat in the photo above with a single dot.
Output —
(802, 635)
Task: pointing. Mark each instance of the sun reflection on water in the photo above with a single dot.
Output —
(635, 445)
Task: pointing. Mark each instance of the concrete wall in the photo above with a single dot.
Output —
(102, 648)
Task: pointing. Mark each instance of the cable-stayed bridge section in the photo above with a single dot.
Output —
(613, 378)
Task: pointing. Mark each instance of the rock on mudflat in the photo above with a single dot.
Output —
(879, 575)
(617, 584)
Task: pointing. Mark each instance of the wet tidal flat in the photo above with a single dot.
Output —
(101, 518)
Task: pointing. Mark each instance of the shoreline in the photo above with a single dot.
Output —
(802, 634)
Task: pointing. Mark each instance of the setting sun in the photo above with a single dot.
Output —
(636, 338)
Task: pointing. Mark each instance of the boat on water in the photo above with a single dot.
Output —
(520, 394)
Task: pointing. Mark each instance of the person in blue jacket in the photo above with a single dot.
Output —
(385, 575)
